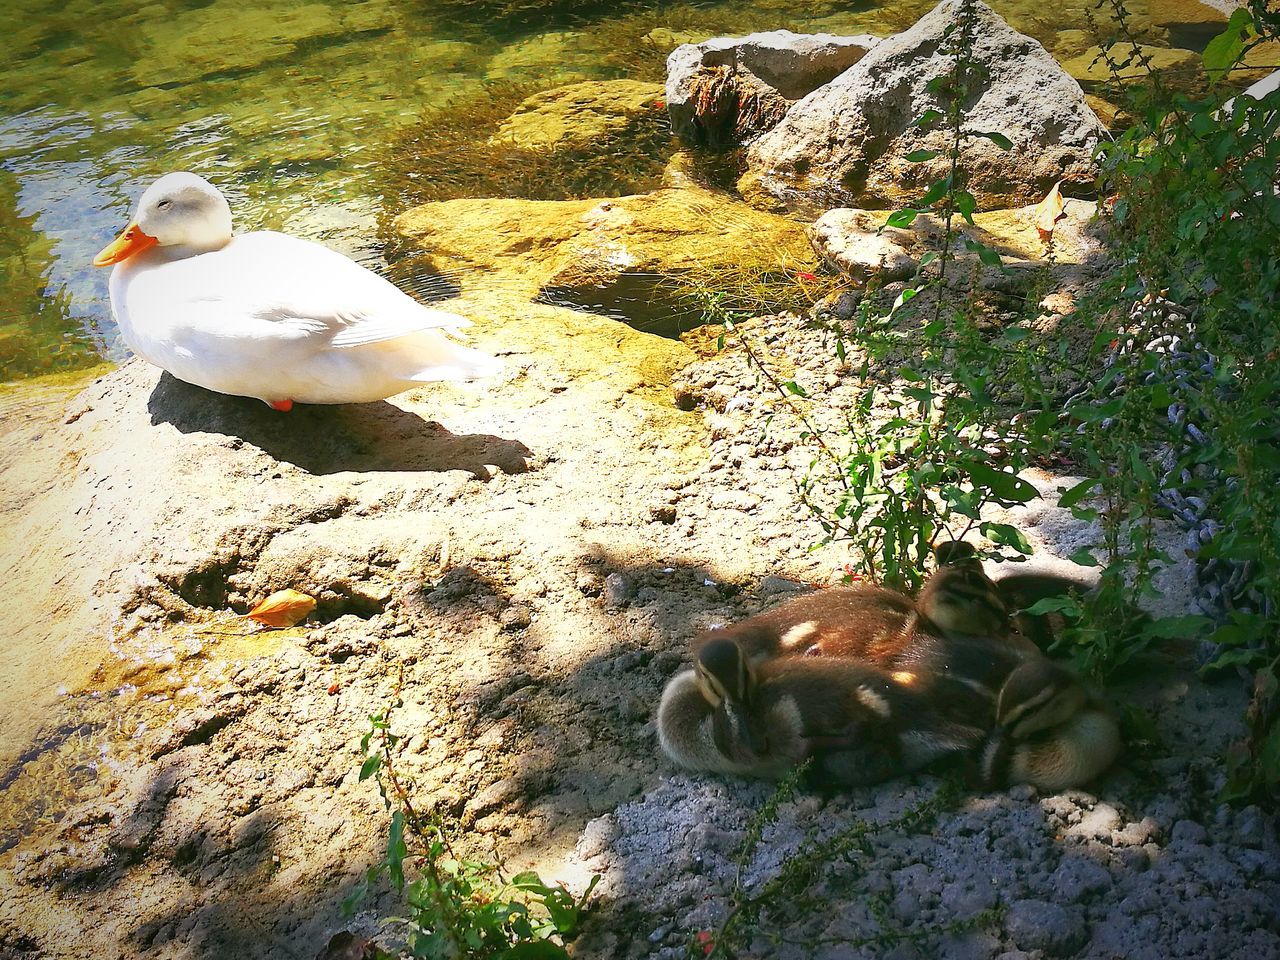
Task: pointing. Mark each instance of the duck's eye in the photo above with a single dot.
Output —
(164, 203)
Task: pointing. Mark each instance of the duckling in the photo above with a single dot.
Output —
(1049, 731)
(959, 597)
(1022, 590)
(860, 621)
(1038, 694)
(1069, 754)
(762, 719)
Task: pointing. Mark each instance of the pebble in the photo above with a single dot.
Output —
(771, 585)
(975, 945)
(1250, 827)
(1077, 877)
(1040, 925)
(516, 617)
(1137, 833)
(618, 589)
(1187, 832)
(1099, 822)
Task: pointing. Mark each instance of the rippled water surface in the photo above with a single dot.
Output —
(291, 107)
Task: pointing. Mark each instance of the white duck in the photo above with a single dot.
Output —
(268, 315)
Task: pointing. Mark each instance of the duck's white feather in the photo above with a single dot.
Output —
(279, 318)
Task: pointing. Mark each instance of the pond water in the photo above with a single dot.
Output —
(293, 107)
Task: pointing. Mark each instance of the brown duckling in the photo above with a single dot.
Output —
(861, 621)
(959, 597)
(1022, 590)
(858, 724)
(1050, 732)
(1069, 754)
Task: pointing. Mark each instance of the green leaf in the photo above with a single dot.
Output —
(351, 902)
(1068, 606)
(966, 204)
(928, 117)
(1007, 486)
(1224, 50)
(372, 764)
(902, 298)
(794, 389)
(1186, 626)
(534, 950)
(999, 139)
(985, 253)
(396, 850)
(937, 190)
(1084, 558)
(1269, 755)
(1248, 659)
(1077, 493)
(920, 156)
(1006, 534)
(902, 218)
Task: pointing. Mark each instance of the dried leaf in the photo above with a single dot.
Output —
(283, 608)
(1048, 212)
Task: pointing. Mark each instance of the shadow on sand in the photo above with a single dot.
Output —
(359, 437)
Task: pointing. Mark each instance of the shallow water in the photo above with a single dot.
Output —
(290, 106)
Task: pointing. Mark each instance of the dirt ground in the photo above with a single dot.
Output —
(525, 561)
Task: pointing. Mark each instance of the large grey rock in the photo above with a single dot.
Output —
(847, 142)
(728, 89)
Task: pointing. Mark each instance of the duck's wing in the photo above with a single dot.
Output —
(270, 286)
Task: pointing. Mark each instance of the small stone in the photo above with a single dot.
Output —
(493, 796)
(618, 589)
(1039, 925)
(663, 513)
(1250, 827)
(1137, 833)
(1132, 859)
(1099, 822)
(964, 900)
(975, 945)
(597, 837)
(772, 585)
(516, 617)
(1077, 877)
(1187, 832)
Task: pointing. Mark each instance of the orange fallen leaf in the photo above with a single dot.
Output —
(1048, 212)
(283, 608)
(334, 688)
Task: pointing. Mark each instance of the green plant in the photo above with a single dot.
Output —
(1178, 423)
(459, 908)
(925, 449)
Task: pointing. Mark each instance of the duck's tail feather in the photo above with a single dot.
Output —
(429, 356)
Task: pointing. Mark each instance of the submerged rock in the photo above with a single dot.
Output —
(727, 90)
(579, 114)
(1092, 66)
(539, 244)
(847, 142)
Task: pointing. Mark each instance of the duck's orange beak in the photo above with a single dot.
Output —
(132, 241)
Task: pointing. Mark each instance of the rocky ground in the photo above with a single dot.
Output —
(525, 562)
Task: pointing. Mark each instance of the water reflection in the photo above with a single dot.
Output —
(290, 104)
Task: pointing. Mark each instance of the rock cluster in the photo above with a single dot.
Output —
(726, 90)
(848, 142)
